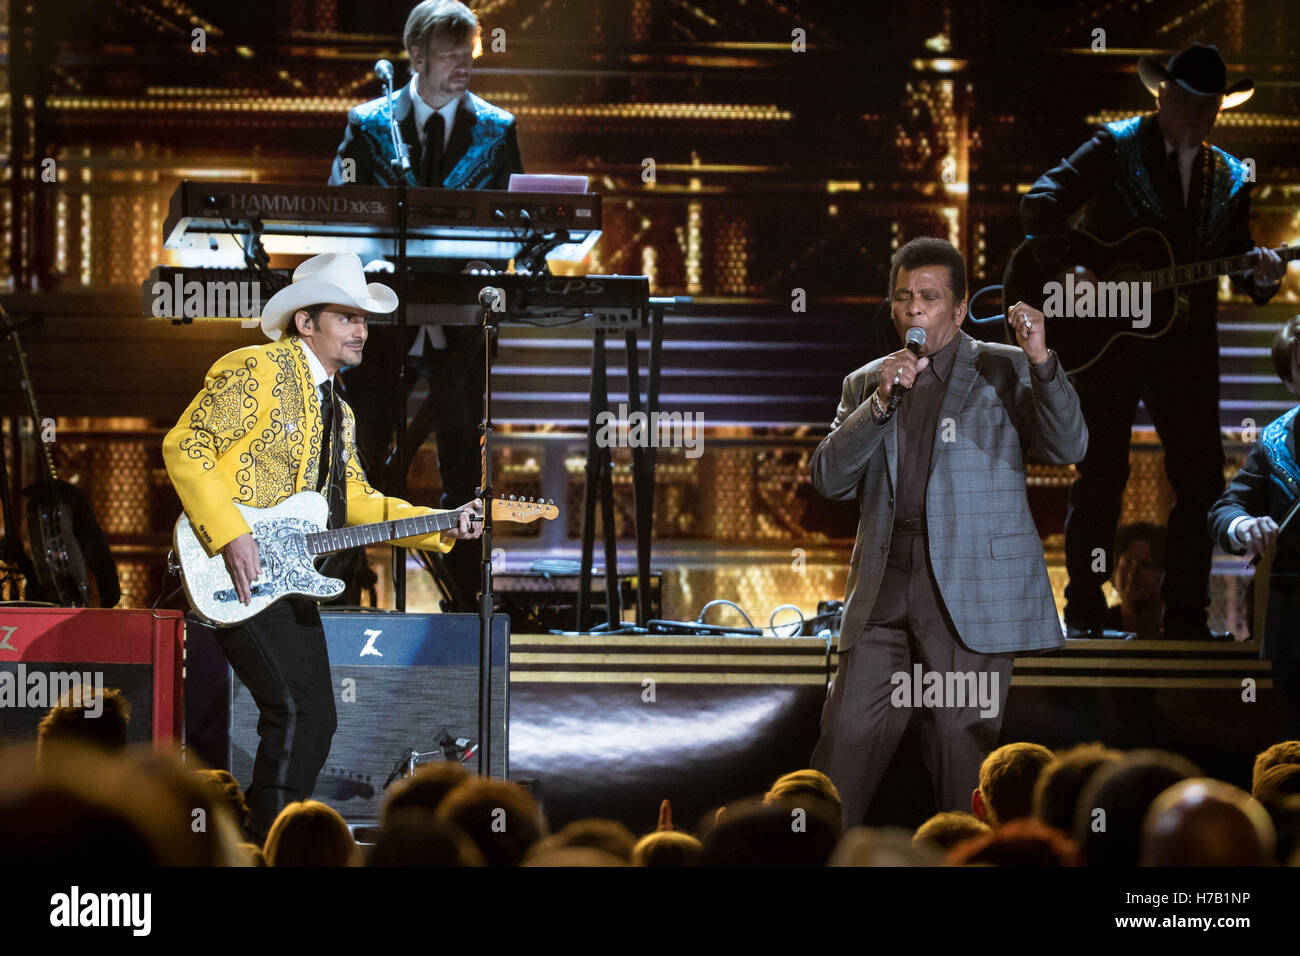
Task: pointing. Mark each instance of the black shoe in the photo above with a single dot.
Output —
(1195, 632)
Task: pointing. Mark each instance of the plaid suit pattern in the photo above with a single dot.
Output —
(984, 549)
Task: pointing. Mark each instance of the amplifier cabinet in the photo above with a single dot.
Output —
(47, 649)
(399, 680)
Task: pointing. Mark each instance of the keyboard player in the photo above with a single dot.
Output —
(456, 140)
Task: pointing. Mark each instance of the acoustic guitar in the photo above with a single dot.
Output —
(1136, 292)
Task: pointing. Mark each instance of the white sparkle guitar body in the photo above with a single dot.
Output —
(289, 537)
(287, 564)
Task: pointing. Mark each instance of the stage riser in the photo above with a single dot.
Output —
(599, 750)
(731, 715)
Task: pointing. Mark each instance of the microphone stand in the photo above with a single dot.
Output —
(486, 298)
(401, 165)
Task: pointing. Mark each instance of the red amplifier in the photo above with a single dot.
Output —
(140, 653)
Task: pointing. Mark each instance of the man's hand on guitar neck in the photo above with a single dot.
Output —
(1269, 267)
(471, 522)
(1256, 535)
(243, 564)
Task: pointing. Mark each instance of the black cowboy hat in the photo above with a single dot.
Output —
(1199, 70)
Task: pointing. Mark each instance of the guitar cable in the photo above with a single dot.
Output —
(171, 569)
(970, 306)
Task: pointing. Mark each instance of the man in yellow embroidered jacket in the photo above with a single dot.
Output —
(269, 423)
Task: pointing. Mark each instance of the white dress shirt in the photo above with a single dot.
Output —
(318, 374)
(423, 111)
(1186, 158)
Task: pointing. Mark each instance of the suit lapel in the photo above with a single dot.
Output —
(311, 441)
(891, 452)
(960, 381)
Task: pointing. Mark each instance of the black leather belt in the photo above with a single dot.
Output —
(909, 526)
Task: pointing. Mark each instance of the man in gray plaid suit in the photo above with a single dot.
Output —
(947, 582)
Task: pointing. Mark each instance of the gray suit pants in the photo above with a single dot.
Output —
(860, 724)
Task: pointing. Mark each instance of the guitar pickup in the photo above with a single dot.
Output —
(254, 590)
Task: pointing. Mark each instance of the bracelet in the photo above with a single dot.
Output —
(878, 410)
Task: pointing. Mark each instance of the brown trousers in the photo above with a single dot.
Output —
(861, 726)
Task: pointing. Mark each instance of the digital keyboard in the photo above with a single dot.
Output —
(183, 294)
(441, 223)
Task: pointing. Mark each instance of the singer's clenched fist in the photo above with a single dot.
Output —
(900, 367)
(1031, 332)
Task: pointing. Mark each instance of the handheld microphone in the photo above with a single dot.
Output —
(915, 342)
(384, 70)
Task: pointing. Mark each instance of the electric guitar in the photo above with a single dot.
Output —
(289, 535)
(1081, 336)
(71, 559)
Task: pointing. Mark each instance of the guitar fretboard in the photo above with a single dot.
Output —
(1174, 276)
(323, 542)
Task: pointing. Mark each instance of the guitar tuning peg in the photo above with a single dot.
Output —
(512, 497)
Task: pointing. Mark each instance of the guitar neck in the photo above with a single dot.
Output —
(324, 542)
(1193, 272)
(30, 394)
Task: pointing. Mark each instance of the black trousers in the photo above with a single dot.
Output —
(861, 724)
(1178, 381)
(281, 657)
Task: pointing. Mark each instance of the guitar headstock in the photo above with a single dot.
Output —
(523, 510)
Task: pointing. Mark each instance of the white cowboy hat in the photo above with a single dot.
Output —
(335, 278)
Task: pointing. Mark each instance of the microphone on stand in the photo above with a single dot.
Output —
(384, 70)
(915, 342)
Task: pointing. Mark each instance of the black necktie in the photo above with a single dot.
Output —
(332, 465)
(431, 158)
